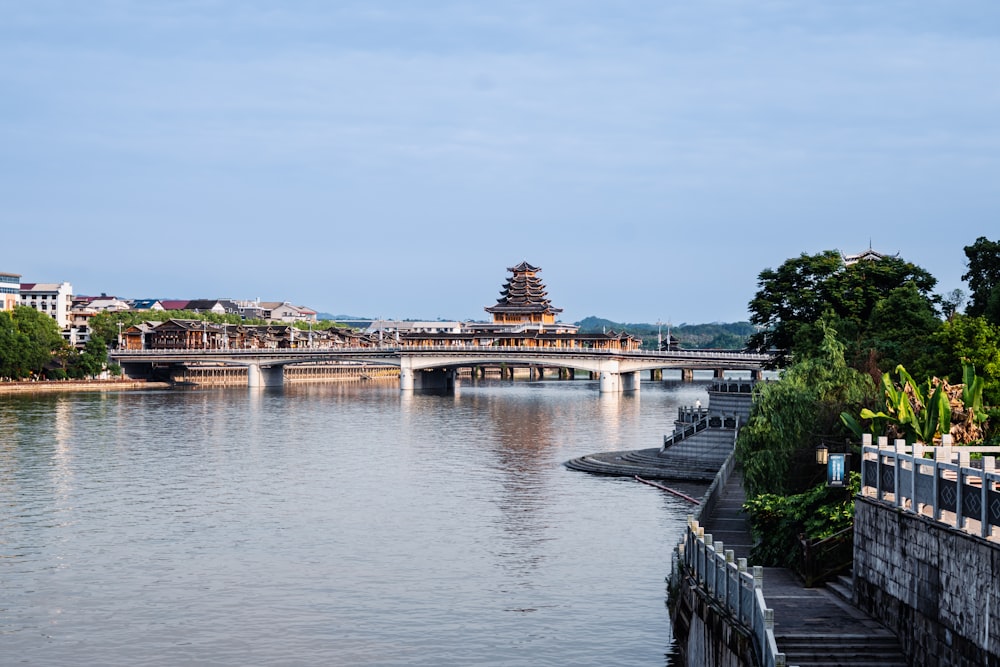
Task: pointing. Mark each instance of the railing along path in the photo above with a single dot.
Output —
(738, 591)
(945, 487)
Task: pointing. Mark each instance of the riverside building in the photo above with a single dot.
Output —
(10, 290)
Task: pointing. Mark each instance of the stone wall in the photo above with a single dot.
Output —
(936, 587)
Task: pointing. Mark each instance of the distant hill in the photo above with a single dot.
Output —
(717, 335)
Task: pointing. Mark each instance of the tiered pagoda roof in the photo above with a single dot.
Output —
(523, 293)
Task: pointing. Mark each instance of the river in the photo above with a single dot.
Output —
(334, 524)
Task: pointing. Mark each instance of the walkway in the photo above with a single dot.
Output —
(812, 626)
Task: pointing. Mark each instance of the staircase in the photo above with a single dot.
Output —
(874, 646)
(860, 650)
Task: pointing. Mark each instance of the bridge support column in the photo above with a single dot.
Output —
(719, 373)
(687, 375)
(265, 376)
(631, 381)
(405, 373)
(610, 382)
(435, 379)
(757, 374)
(656, 374)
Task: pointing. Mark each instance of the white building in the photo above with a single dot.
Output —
(53, 299)
(282, 311)
(10, 290)
(412, 327)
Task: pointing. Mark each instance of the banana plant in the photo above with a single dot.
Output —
(972, 393)
(918, 414)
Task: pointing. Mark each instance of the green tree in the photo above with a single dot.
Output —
(983, 278)
(793, 295)
(788, 418)
(791, 299)
(899, 330)
(952, 303)
(92, 360)
(29, 339)
(972, 340)
(12, 347)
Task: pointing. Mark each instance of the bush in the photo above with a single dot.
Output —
(778, 523)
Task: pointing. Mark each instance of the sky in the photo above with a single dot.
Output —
(393, 158)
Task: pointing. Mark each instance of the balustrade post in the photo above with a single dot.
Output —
(984, 526)
(878, 471)
(936, 506)
(709, 565)
(720, 565)
(897, 467)
(959, 499)
(730, 557)
(741, 567)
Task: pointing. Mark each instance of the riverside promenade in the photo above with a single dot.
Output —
(812, 626)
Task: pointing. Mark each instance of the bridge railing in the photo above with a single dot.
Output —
(949, 486)
(714, 355)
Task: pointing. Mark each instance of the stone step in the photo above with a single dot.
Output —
(842, 587)
(878, 648)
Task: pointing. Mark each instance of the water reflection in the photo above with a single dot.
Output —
(341, 524)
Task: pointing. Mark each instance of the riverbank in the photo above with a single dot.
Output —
(46, 386)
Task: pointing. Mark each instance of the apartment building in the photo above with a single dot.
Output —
(53, 299)
(10, 290)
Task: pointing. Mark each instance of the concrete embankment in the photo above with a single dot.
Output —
(48, 386)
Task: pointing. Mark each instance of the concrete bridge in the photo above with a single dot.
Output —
(435, 366)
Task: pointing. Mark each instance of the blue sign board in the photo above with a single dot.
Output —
(836, 470)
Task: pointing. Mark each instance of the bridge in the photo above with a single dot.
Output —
(435, 366)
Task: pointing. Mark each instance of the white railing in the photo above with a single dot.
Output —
(942, 483)
(738, 591)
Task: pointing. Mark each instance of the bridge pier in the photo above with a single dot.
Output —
(631, 381)
(610, 382)
(259, 376)
(687, 375)
(405, 378)
(656, 374)
(432, 378)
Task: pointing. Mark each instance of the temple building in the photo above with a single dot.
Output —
(523, 302)
(868, 255)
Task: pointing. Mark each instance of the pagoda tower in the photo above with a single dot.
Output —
(523, 300)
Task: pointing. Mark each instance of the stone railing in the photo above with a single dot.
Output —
(730, 585)
(949, 486)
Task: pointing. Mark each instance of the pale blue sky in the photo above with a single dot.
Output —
(393, 158)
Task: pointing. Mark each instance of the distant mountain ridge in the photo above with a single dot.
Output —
(717, 335)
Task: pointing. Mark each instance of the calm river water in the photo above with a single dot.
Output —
(336, 524)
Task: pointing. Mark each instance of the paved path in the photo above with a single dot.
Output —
(812, 626)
